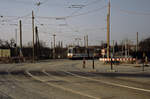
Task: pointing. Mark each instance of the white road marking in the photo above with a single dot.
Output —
(63, 88)
(57, 77)
(62, 79)
(109, 83)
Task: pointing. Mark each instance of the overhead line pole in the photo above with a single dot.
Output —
(126, 49)
(137, 44)
(37, 42)
(113, 47)
(16, 36)
(108, 31)
(84, 42)
(20, 28)
(33, 36)
(87, 41)
(137, 41)
(16, 40)
(54, 47)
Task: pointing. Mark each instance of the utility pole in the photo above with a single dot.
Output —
(37, 41)
(33, 36)
(113, 47)
(51, 45)
(126, 48)
(16, 40)
(87, 42)
(54, 47)
(137, 41)
(122, 47)
(16, 36)
(84, 41)
(128, 45)
(20, 28)
(61, 49)
(36, 34)
(61, 44)
(108, 31)
(51, 50)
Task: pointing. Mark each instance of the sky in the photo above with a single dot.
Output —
(70, 19)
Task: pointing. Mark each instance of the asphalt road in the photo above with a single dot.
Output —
(67, 79)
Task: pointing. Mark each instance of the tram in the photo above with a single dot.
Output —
(77, 52)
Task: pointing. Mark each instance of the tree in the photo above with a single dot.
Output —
(144, 45)
(116, 47)
(12, 43)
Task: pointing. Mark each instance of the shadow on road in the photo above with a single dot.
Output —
(87, 74)
(110, 74)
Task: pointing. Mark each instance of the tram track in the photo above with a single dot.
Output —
(61, 87)
(66, 81)
(60, 75)
(110, 79)
(24, 89)
(6, 80)
(72, 82)
(108, 83)
(19, 89)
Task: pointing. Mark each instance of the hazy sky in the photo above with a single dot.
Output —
(127, 18)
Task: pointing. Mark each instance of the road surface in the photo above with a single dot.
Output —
(66, 79)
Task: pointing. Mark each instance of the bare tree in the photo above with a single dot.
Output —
(145, 45)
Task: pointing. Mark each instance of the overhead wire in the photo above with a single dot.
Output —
(88, 12)
(72, 16)
(20, 1)
(26, 15)
(63, 35)
(80, 14)
(70, 27)
(91, 3)
(45, 28)
(41, 25)
(13, 18)
(65, 25)
(38, 5)
(63, 18)
(45, 32)
(132, 12)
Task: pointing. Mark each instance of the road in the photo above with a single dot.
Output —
(66, 79)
